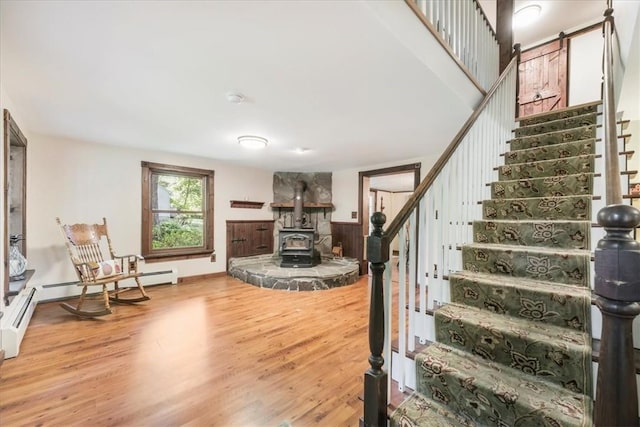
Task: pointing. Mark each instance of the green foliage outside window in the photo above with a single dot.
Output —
(177, 218)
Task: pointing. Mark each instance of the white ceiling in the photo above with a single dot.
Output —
(328, 76)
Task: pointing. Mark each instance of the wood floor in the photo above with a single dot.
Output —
(217, 352)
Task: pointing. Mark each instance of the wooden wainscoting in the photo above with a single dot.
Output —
(350, 235)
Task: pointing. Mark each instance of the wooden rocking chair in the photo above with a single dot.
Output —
(85, 244)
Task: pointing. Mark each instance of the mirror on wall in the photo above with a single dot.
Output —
(15, 184)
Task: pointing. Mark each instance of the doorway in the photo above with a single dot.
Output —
(383, 190)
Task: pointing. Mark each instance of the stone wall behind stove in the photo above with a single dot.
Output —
(318, 191)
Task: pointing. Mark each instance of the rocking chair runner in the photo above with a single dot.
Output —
(83, 243)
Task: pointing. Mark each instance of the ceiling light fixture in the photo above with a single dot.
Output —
(526, 15)
(235, 98)
(252, 142)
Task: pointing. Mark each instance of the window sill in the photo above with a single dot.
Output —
(151, 258)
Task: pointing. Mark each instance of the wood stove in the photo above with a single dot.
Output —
(296, 243)
(296, 247)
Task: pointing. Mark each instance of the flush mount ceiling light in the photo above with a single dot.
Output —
(526, 15)
(235, 98)
(252, 142)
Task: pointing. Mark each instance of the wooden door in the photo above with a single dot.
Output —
(542, 77)
(249, 237)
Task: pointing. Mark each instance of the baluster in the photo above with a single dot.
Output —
(375, 379)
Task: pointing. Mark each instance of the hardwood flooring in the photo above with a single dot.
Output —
(216, 352)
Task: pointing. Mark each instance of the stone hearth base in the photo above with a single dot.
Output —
(264, 271)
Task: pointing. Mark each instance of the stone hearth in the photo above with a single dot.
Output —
(264, 271)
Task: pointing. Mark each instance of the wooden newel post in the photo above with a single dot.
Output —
(617, 289)
(375, 379)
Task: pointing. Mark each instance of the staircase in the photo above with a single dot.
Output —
(514, 344)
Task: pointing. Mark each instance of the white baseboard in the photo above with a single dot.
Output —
(16, 319)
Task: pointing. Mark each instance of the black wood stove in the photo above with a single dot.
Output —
(296, 243)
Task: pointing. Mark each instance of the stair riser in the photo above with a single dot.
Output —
(556, 125)
(551, 152)
(553, 234)
(563, 363)
(544, 208)
(550, 267)
(546, 168)
(586, 132)
(569, 309)
(556, 115)
(554, 186)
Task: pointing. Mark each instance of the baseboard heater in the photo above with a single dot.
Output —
(16, 319)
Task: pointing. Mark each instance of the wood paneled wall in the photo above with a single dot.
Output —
(350, 234)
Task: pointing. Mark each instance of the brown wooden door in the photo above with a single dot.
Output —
(247, 238)
(543, 78)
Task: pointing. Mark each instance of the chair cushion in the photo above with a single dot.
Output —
(106, 269)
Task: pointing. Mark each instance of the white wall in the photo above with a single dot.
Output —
(585, 70)
(83, 182)
(345, 185)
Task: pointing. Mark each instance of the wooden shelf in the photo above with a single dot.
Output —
(246, 204)
(305, 205)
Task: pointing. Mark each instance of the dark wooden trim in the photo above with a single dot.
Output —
(151, 255)
(12, 136)
(445, 46)
(189, 279)
(587, 29)
(246, 204)
(504, 31)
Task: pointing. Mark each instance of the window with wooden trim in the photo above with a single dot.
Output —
(177, 212)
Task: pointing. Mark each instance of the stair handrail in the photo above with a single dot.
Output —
(474, 58)
(376, 378)
(617, 272)
(403, 215)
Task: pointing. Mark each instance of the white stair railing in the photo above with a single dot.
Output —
(463, 29)
(433, 224)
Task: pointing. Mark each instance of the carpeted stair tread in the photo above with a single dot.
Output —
(497, 395)
(419, 410)
(558, 234)
(555, 125)
(541, 208)
(551, 138)
(533, 300)
(575, 110)
(550, 152)
(556, 354)
(568, 266)
(548, 186)
(552, 167)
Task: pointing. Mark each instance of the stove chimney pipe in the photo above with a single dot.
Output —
(298, 202)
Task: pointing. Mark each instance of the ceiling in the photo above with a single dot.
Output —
(328, 77)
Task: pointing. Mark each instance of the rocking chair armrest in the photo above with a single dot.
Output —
(129, 263)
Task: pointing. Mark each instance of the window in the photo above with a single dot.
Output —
(177, 212)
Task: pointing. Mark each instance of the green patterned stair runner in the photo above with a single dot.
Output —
(551, 138)
(549, 152)
(558, 124)
(558, 234)
(492, 394)
(544, 168)
(560, 355)
(546, 186)
(514, 345)
(540, 208)
(527, 299)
